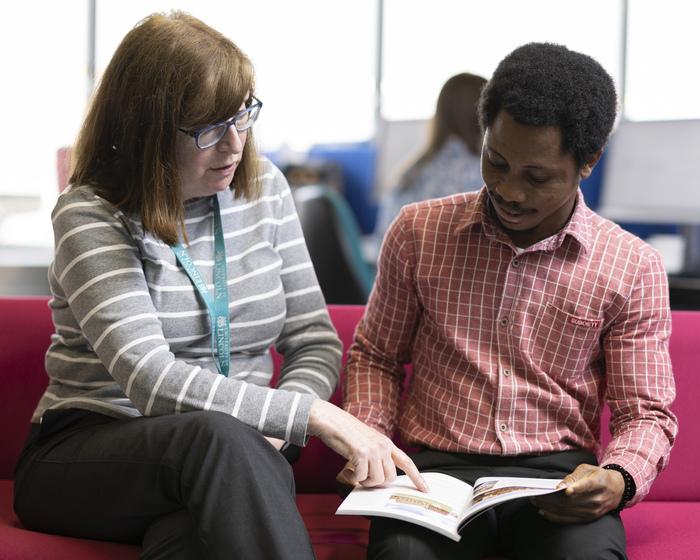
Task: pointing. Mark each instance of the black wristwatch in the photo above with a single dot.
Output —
(630, 486)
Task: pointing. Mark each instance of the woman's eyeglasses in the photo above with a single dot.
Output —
(211, 135)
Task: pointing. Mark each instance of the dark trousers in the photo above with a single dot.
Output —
(513, 529)
(192, 486)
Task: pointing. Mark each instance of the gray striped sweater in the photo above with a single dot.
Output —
(133, 336)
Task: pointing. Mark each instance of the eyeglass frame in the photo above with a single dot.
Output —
(197, 133)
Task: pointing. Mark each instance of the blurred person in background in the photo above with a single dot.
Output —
(450, 164)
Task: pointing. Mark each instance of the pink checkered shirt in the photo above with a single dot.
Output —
(515, 352)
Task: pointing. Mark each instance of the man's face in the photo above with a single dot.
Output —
(532, 184)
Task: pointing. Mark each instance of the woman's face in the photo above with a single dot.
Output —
(208, 171)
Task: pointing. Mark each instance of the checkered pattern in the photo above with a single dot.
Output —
(514, 352)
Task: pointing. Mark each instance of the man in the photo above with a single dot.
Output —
(522, 313)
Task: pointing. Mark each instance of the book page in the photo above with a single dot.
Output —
(490, 491)
(440, 509)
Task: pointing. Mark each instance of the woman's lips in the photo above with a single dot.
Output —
(226, 169)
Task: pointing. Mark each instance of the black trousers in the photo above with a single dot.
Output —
(513, 529)
(187, 486)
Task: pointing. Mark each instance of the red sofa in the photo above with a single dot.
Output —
(663, 526)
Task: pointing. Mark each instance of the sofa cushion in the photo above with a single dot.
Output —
(662, 530)
(25, 331)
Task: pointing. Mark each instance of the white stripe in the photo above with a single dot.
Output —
(263, 412)
(103, 277)
(82, 384)
(181, 314)
(312, 373)
(185, 386)
(257, 297)
(173, 266)
(124, 321)
(305, 316)
(306, 388)
(262, 375)
(74, 360)
(130, 345)
(212, 392)
(104, 404)
(81, 229)
(267, 320)
(154, 391)
(190, 287)
(107, 302)
(66, 328)
(296, 268)
(184, 288)
(292, 243)
(246, 230)
(239, 400)
(292, 413)
(74, 205)
(255, 272)
(242, 348)
(303, 292)
(142, 361)
(88, 254)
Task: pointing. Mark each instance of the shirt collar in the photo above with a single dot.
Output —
(578, 227)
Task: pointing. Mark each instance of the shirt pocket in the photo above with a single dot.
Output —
(564, 344)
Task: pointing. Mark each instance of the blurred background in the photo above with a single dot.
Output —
(348, 88)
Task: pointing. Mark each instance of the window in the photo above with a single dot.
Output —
(316, 66)
(663, 60)
(44, 94)
(426, 43)
(314, 60)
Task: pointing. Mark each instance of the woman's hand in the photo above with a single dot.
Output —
(276, 443)
(373, 457)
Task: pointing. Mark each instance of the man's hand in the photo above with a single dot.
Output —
(373, 457)
(590, 493)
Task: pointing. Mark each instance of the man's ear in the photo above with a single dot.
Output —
(587, 167)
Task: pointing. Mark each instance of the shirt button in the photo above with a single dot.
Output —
(506, 372)
(516, 263)
(503, 427)
(504, 322)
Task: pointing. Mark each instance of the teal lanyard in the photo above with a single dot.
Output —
(218, 303)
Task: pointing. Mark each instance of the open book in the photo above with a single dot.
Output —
(448, 506)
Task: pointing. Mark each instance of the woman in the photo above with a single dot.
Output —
(450, 164)
(179, 262)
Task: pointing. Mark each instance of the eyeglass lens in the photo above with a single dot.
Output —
(243, 121)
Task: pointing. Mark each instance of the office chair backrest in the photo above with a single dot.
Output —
(334, 240)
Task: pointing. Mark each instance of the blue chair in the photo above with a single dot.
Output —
(333, 237)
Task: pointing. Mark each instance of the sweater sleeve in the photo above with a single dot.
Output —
(110, 353)
(308, 341)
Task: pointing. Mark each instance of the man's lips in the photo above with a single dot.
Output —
(509, 216)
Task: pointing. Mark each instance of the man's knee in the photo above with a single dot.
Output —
(398, 540)
(602, 539)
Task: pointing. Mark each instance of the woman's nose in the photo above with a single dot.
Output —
(233, 141)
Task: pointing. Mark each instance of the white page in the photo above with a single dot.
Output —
(440, 508)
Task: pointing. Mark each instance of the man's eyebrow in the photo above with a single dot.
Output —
(533, 166)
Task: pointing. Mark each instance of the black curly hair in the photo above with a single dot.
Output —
(544, 84)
